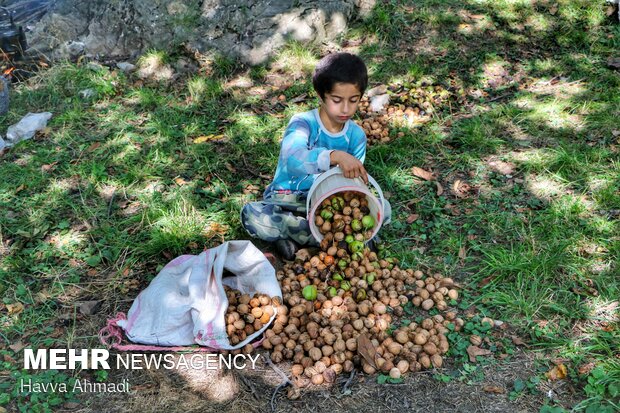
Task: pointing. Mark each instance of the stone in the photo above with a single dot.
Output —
(249, 31)
(126, 67)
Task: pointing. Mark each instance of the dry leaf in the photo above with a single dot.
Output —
(125, 272)
(44, 133)
(15, 308)
(299, 98)
(421, 173)
(93, 146)
(462, 254)
(517, 341)
(207, 138)
(486, 281)
(460, 188)
(586, 368)
(16, 347)
(475, 351)
(230, 168)
(366, 349)
(180, 181)
(494, 389)
(20, 188)
(439, 188)
(558, 372)
(48, 167)
(412, 218)
(9, 359)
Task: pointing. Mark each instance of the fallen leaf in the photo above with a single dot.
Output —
(462, 254)
(207, 138)
(475, 351)
(494, 389)
(461, 189)
(180, 181)
(439, 188)
(43, 133)
(20, 188)
(14, 309)
(586, 368)
(421, 173)
(517, 341)
(125, 272)
(366, 349)
(9, 359)
(412, 218)
(558, 372)
(230, 168)
(299, 98)
(48, 167)
(94, 146)
(485, 281)
(16, 347)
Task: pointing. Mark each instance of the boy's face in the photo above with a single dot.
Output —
(341, 103)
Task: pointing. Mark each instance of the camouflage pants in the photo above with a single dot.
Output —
(278, 216)
(283, 216)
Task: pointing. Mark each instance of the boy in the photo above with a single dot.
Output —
(313, 142)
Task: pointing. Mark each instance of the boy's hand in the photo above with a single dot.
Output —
(351, 166)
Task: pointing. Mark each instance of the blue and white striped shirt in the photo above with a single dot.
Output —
(306, 147)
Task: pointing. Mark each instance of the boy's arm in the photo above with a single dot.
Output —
(294, 151)
(352, 161)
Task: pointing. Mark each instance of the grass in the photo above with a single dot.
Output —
(117, 185)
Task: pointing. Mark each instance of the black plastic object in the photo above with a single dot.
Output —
(12, 37)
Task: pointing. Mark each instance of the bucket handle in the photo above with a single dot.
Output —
(336, 170)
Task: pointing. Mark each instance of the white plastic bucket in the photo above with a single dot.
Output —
(333, 182)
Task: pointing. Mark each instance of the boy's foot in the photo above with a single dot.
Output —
(286, 249)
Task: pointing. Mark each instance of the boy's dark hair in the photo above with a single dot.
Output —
(339, 68)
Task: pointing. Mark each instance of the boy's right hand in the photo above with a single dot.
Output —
(351, 166)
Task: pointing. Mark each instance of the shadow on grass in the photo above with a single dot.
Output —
(131, 189)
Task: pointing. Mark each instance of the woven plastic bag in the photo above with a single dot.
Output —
(186, 304)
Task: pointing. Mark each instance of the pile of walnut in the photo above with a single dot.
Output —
(340, 305)
(247, 314)
(411, 103)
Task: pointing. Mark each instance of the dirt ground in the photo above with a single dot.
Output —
(253, 391)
